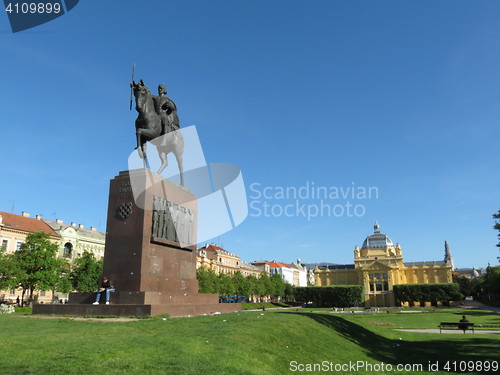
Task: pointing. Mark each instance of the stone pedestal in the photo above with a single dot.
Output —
(151, 270)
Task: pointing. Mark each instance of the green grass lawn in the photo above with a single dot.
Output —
(237, 343)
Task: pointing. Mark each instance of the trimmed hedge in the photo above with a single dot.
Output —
(433, 293)
(329, 296)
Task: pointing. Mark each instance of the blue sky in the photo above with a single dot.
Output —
(398, 95)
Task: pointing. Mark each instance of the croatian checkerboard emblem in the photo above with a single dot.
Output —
(125, 210)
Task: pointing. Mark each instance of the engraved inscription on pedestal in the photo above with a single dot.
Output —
(172, 222)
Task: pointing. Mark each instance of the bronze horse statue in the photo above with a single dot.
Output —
(148, 128)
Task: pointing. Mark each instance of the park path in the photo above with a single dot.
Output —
(451, 331)
(481, 306)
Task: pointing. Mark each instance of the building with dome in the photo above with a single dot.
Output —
(379, 265)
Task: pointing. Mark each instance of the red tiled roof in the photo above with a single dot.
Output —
(211, 248)
(26, 224)
(277, 265)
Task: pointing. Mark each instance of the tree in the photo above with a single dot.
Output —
(226, 286)
(5, 268)
(63, 282)
(242, 285)
(34, 266)
(207, 281)
(497, 225)
(279, 285)
(267, 287)
(289, 292)
(491, 281)
(85, 273)
(256, 286)
(467, 285)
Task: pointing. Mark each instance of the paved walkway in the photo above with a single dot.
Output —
(480, 306)
(470, 304)
(451, 331)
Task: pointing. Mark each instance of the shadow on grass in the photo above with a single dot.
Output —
(383, 349)
(475, 313)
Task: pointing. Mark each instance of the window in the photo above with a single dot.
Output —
(18, 245)
(68, 249)
(5, 243)
(379, 282)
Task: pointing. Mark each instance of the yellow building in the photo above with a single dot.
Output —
(379, 265)
(73, 240)
(215, 258)
(13, 232)
(76, 239)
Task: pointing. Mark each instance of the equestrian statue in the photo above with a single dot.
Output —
(158, 123)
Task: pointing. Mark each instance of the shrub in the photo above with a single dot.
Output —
(421, 293)
(329, 296)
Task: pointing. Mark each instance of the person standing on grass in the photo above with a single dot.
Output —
(105, 286)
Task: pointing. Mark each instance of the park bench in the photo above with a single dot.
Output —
(462, 326)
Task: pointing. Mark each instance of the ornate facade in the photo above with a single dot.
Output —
(215, 258)
(75, 239)
(379, 265)
(72, 240)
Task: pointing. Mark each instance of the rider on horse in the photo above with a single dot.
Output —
(166, 110)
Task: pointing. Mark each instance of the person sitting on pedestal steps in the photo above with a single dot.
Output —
(105, 286)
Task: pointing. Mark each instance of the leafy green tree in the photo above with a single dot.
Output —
(226, 286)
(289, 292)
(5, 268)
(85, 273)
(491, 281)
(63, 282)
(256, 286)
(242, 285)
(279, 285)
(35, 266)
(208, 281)
(497, 226)
(267, 285)
(467, 286)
